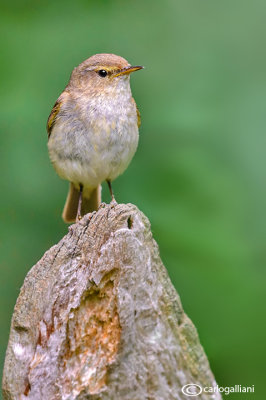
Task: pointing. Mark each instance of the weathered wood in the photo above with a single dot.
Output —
(98, 318)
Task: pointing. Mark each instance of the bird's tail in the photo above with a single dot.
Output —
(91, 200)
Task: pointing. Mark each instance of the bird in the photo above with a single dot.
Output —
(93, 131)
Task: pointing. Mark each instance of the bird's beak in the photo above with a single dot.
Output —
(128, 70)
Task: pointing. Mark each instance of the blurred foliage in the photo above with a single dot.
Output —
(199, 173)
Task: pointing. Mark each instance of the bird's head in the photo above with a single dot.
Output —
(102, 73)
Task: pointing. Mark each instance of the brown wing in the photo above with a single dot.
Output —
(139, 118)
(54, 113)
(138, 113)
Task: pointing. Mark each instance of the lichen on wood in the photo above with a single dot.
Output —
(98, 318)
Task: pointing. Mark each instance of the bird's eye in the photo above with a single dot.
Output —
(102, 73)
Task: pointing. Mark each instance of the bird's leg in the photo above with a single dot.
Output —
(111, 191)
(78, 217)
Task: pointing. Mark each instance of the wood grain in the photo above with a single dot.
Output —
(98, 318)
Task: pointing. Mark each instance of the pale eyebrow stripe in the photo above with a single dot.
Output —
(99, 67)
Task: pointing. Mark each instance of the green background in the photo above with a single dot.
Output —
(199, 172)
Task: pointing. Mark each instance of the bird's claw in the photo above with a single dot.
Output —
(78, 218)
(113, 202)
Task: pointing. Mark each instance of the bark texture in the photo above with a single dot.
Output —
(97, 318)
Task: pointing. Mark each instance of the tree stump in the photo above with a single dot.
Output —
(98, 318)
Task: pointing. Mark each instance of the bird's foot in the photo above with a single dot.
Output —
(113, 202)
(78, 218)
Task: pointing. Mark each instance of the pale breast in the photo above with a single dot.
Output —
(94, 140)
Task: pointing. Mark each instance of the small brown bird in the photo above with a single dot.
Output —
(93, 130)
